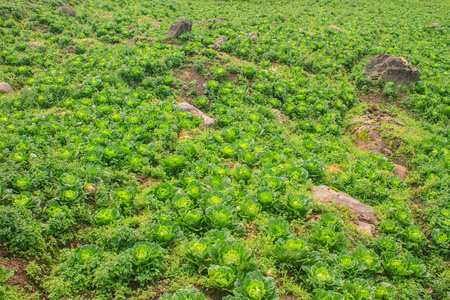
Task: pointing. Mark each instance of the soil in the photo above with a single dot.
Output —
(211, 294)
(19, 279)
(189, 74)
(251, 230)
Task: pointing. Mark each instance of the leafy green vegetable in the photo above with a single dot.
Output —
(255, 286)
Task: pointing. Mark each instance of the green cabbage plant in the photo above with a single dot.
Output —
(186, 293)
(166, 232)
(86, 253)
(192, 219)
(255, 286)
(222, 277)
(291, 252)
(145, 253)
(106, 216)
(321, 275)
(232, 254)
(299, 205)
(369, 258)
(358, 289)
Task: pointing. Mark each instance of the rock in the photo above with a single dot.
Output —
(253, 36)
(5, 88)
(34, 44)
(281, 118)
(401, 171)
(334, 27)
(106, 16)
(364, 213)
(67, 11)
(157, 24)
(368, 138)
(179, 27)
(360, 119)
(391, 69)
(273, 23)
(364, 227)
(219, 41)
(209, 122)
(133, 41)
(436, 25)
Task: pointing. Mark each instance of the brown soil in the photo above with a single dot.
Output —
(251, 230)
(18, 264)
(211, 294)
(146, 181)
(334, 169)
(379, 97)
(189, 74)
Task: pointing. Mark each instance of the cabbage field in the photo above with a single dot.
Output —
(292, 174)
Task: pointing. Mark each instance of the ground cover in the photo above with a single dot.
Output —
(110, 190)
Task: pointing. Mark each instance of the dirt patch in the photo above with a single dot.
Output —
(19, 279)
(211, 294)
(146, 181)
(334, 169)
(379, 97)
(251, 230)
(187, 75)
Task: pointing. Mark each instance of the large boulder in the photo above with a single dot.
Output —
(179, 27)
(364, 213)
(67, 11)
(209, 122)
(391, 69)
(5, 88)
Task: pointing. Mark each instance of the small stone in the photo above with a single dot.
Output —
(219, 41)
(179, 27)
(436, 25)
(253, 36)
(334, 27)
(67, 11)
(5, 88)
(209, 122)
(401, 171)
(34, 44)
(363, 212)
(281, 118)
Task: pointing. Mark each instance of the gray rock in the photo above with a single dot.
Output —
(391, 69)
(67, 11)
(219, 41)
(281, 118)
(179, 27)
(334, 27)
(364, 213)
(209, 122)
(34, 44)
(253, 36)
(5, 88)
